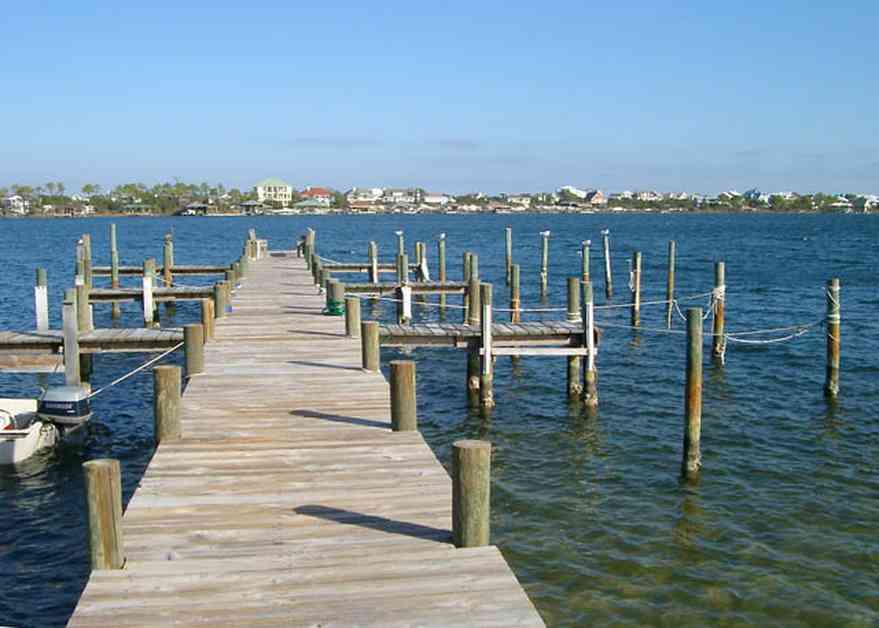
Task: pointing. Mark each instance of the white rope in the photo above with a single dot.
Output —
(135, 371)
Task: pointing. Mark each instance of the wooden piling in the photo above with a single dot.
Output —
(219, 300)
(834, 324)
(590, 372)
(401, 244)
(115, 309)
(149, 269)
(193, 346)
(168, 261)
(103, 501)
(41, 300)
(608, 277)
(544, 263)
(83, 308)
(352, 316)
(473, 292)
(207, 318)
(670, 283)
(369, 346)
(718, 338)
(87, 259)
(441, 254)
(575, 363)
(692, 457)
(584, 260)
(166, 403)
(636, 289)
(72, 376)
(466, 279)
(336, 298)
(473, 372)
(404, 416)
(509, 254)
(403, 269)
(515, 295)
(471, 493)
(373, 262)
(486, 366)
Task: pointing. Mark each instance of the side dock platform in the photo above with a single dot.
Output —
(289, 501)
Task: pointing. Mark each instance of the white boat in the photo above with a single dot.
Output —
(22, 433)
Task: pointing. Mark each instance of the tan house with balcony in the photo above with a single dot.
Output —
(273, 190)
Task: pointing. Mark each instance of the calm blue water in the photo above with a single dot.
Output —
(588, 508)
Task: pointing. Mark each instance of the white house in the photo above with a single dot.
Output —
(16, 204)
(364, 195)
(402, 196)
(274, 190)
(570, 189)
(521, 200)
(436, 199)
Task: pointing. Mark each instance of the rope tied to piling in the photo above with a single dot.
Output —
(119, 380)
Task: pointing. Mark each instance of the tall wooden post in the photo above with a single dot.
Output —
(466, 279)
(584, 259)
(167, 383)
(590, 373)
(41, 300)
(509, 251)
(193, 346)
(834, 323)
(608, 278)
(692, 457)
(471, 493)
(404, 415)
(473, 290)
(352, 316)
(473, 375)
(103, 501)
(402, 269)
(636, 289)
(719, 341)
(149, 269)
(168, 261)
(71, 340)
(219, 300)
(116, 310)
(544, 263)
(486, 370)
(401, 244)
(441, 253)
(370, 349)
(670, 283)
(515, 295)
(207, 318)
(83, 308)
(373, 262)
(87, 259)
(575, 363)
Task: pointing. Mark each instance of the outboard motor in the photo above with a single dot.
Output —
(65, 405)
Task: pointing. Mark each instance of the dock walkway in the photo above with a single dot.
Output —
(289, 501)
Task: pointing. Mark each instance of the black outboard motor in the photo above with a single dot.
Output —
(65, 405)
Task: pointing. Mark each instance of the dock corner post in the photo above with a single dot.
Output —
(471, 493)
(590, 372)
(575, 362)
(670, 283)
(219, 300)
(515, 294)
(352, 316)
(207, 319)
(167, 384)
(692, 456)
(509, 253)
(834, 321)
(72, 375)
(193, 345)
(41, 300)
(441, 262)
(719, 302)
(636, 289)
(544, 263)
(370, 347)
(404, 414)
(608, 276)
(486, 370)
(103, 497)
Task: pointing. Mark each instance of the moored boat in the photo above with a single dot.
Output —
(22, 433)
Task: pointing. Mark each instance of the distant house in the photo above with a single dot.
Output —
(312, 204)
(595, 198)
(522, 201)
(648, 196)
(362, 196)
(324, 196)
(16, 204)
(194, 209)
(273, 190)
(570, 189)
(401, 196)
(436, 199)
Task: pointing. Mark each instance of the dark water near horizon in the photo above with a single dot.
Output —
(588, 508)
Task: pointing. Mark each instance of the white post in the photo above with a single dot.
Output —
(486, 339)
(41, 304)
(406, 293)
(425, 272)
(590, 336)
(148, 316)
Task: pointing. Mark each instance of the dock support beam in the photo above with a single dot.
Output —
(636, 289)
(575, 363)
(441, 254)
(404, 415)
(71, 340)
(166, 403)
(471, 493)
(207, 318)
(692, 456)
(544, 263)
(718, 339)
(219, 300)
(369, 346)
(515, 295)
(509, 254)
(193, 345)
(584, 259)
(352, 316)
(590, 373)
(834, 323)
(486, 371)
(41, 300)
(103, 497)
(670, 283)
(608, 277)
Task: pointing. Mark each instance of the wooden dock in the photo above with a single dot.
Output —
(95, 341)
(175, 270)
(458, 334)
(173, 293)
(289, 501)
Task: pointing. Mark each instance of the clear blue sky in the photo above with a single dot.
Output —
(491, 96)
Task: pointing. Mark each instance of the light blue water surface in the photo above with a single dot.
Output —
(588, 508)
